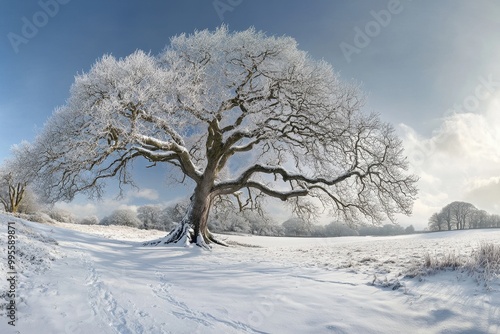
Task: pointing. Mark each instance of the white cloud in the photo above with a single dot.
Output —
(127, 207)
(146, 193)
(484, 193)
(81, 207)
(459, 161)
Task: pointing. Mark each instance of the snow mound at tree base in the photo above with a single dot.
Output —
(182, 235)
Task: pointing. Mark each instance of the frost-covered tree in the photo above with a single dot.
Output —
(174, 213)
(262, 224)
(409, 229)
(15, 176)
(12, 190)
(386, 229)
(494, 220)
(151, 216)
(89, 220)
(234, 112)
(458, 213)
(297, 227)
(30, 203)
(125, 217)
(479, 219)
(462, 212)
(159, 217)
(236, 216)
(62, 216)
(230, 221)
(437, 221)
(446, 215)
(339, 229)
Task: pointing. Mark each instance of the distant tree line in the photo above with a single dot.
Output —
(224, 219)
(229, 220)
(296, 227)
(460, 216)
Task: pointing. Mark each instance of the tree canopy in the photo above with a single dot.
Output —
(462, 215)
(243, 115)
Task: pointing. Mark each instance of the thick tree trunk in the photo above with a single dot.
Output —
(193, 228)
(16, 195)
(14, 204)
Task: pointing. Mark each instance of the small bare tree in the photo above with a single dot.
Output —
(239, 114)
(12, 191)
(437, 221)
(15, 176)
(446, 214)
(462, 213)
(479, 219)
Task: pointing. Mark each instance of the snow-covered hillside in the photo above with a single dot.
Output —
(92, 279)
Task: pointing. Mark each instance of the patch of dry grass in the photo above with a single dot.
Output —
(483, 264)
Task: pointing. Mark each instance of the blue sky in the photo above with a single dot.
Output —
(419, 63)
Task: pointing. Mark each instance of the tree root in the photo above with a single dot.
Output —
(183, 235)
(213, 239)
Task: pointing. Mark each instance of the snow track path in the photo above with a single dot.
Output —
(105, 306)
(203, 318)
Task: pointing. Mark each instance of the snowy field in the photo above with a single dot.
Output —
(95, 279)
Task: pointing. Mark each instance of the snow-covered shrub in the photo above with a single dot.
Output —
(229, 222)
(150, 216)
(227, 217)
(410, 229)
(38, 217)
(160, 218)
(62, 216)
(90, 220)
(125, 217)
(30, 203)
(267, 227)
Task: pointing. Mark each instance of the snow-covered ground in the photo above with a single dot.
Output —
(94, 279)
